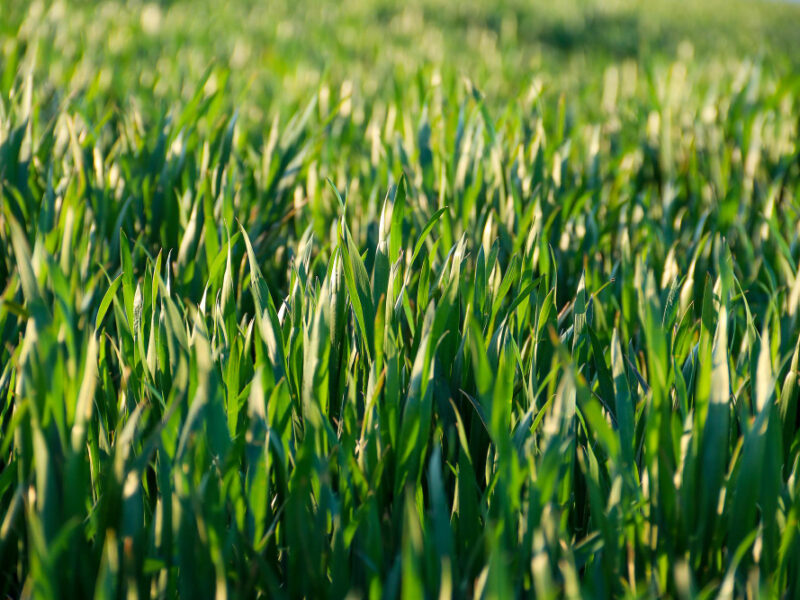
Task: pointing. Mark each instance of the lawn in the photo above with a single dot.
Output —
(373, 300)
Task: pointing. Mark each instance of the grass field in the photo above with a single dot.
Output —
(366, 300)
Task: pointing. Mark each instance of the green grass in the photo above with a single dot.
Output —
(442, 302)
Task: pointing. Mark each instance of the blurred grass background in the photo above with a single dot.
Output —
(282, 48)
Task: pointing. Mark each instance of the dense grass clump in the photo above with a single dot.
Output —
(400, 333)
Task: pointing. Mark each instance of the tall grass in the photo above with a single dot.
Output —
(417, 344)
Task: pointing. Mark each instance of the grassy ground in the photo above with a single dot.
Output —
(440, 300)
